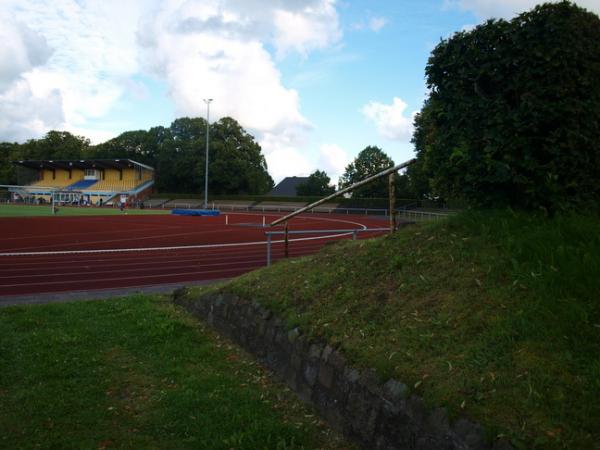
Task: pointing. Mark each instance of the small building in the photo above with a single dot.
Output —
(95, 181)
(287, 187)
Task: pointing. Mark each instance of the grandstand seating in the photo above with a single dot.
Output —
(81, 185)
(70, 180)
(51, 183)
(115, 186)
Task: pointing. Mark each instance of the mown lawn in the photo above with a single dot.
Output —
(137, 373)
(45, 210)
(494, 315)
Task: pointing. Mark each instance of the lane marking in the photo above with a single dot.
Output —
(182, 247)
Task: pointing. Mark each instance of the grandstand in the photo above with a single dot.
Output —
(96, 181)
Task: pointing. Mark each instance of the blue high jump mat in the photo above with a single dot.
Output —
(196, 212)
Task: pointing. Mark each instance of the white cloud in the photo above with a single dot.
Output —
(283, 154)
(25, 113)
(333, 159)
(22, 49)
(377, 23)
(508, 8)
(210, 49)
(390, 120)
(79, 56)
(313, 27)
(77, 59)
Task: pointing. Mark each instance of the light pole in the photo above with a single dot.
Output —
(207, 101)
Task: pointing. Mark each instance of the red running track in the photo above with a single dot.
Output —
(61, 254)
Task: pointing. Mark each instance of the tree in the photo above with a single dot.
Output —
(236, 163)
(317, 185)
(370, 161)
(55, 145)
(8, 152)
(514, 111)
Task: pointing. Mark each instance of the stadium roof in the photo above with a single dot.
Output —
(287, 186)
(80, 164)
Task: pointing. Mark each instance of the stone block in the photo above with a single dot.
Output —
(296, 361)
(351, 376)
(225, 310)
(280, 337)
(370, 381)
(293, 335)
(326, 376)
(337, 361)
(314, 351)
(327, 351)
(335, 418)
(290, 378)
(304, 392)
(261, 327)
(301, 345)
(394, 391)
(310, 374)
(364, 416)
(270, 333)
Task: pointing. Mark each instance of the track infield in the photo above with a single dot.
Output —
(64, 254)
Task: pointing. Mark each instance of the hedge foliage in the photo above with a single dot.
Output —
(513, 115)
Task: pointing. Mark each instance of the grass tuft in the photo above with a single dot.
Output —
(492, 314)
(138, 373)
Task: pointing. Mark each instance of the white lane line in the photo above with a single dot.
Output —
(179, 247)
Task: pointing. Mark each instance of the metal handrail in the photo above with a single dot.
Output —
(354, 232)
(346, 189)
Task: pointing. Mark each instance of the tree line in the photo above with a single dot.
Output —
(177, 153)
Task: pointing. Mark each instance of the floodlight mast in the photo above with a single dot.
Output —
(207, 101)
(343, 191)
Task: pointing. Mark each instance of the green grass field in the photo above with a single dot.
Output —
(494, 315)
(137, 373)
(45, 210)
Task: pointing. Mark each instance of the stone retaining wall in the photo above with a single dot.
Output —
(376, 415)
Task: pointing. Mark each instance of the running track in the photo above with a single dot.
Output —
(62, 254)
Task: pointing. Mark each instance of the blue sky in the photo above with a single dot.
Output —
(315, 81)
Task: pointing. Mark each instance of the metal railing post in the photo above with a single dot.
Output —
(286, 234)
(268, 249)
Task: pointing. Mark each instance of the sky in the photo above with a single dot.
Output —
(314, 81)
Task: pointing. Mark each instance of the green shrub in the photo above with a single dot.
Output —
(514, 111)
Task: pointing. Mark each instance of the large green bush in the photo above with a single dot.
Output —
(513, 115)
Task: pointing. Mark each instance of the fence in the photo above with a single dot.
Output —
(354, 232)
(322, 210)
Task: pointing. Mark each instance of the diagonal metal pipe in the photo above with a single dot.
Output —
(360, 183)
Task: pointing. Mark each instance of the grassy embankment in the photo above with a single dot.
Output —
(46, 210)
(494, 315)
(137, 373)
